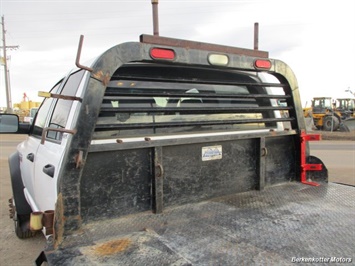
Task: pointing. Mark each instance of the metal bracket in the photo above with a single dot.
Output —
(79, 160)
(77, 61)
(58, 96)
(304, 166)
(261, 165)
(105, 78)
(62, 130)
(158, 179)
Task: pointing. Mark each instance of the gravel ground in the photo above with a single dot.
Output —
(336, 135)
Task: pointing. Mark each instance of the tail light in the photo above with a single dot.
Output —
(161, 53)
(262, 64)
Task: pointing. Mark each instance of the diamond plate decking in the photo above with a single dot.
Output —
(267, 227)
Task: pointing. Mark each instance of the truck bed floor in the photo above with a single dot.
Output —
(269, 227)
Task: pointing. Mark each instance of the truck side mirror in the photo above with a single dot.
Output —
(9, 123)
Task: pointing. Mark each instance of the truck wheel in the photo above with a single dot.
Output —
(330, 121)
(21, 228)
(21, 222)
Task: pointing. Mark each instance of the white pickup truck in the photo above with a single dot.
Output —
(173, 152)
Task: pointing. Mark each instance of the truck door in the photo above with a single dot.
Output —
(51, 150)
(28, 149)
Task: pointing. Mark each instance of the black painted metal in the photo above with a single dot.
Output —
(135, 180)
(122, 144)
(131, 87)
(196, 110)
(282, 160)
(155, 40)
(102, 127)
(117, 180)
(121, 184)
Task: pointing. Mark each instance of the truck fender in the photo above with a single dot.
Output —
(22, 206)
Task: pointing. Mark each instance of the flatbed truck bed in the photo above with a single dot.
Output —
(174, 152)
(282, 224)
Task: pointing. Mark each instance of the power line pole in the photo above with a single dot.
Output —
(7, 76)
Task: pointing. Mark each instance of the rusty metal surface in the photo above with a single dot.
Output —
(144, 38)
(78, 54)
(267, 227)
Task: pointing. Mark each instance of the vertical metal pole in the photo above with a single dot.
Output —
(155, 18)
(6, 73)
(256, 36)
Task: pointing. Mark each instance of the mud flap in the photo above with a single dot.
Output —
(40, 259)
(22, 207)
(317, 176)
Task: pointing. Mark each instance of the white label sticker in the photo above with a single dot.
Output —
(212, 153)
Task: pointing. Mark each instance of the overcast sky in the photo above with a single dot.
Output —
(315, 38)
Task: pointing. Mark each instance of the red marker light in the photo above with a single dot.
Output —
(261, 63)
(160, 53)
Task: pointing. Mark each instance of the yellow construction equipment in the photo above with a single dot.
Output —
(324, 115)
(26, 109)
(346, 107)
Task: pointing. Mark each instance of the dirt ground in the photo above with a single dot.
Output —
(14, 251)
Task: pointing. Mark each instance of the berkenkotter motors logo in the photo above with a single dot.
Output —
(321, 260)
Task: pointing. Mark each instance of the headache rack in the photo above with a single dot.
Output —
(145, 98)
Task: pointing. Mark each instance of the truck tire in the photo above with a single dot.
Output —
(330, 123)
(20, 209)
